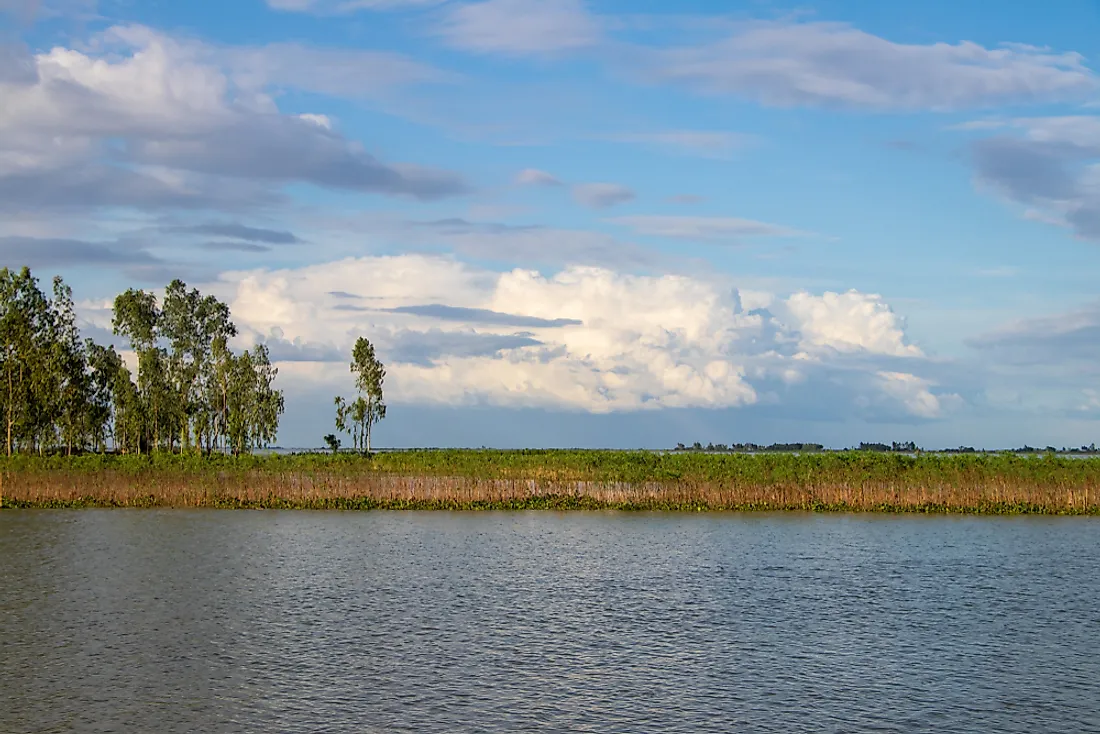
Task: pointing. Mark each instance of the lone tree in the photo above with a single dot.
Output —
(360, 416)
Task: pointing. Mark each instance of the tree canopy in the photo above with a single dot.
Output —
(359, 416)
(192, 391)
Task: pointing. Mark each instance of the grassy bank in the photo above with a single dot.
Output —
(562, 480)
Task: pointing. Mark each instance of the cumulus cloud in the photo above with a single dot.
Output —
(520, 27)
(480, 316)
(914, 393)
(602, 195)
(836, 65)
(535, 177)
(722, 229)
(593, 339)
(425, 348)
(851, 321)
(152, 122)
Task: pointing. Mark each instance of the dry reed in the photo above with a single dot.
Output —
(320, 489)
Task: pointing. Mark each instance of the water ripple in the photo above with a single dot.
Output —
(177, 621)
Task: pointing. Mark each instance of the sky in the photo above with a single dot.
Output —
(589, 222)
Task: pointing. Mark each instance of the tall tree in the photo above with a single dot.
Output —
(24, 340)
(253, 405)
(59, 392)
(370, 373)
(67, 378)
(105, 367)
(192, 324)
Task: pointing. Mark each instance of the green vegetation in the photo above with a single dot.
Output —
(470, 479)
(192, 392)
(359, 416)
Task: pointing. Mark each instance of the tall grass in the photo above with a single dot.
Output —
(467, 479)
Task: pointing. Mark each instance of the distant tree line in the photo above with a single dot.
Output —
(907, 447)
(191, 392)
(750, 447)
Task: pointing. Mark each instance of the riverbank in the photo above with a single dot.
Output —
(562, 480)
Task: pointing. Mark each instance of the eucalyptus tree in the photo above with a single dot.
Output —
(190, 390)
(137, 318)
(370, 373)
(105, 370)
(192, 324)
(131, 432)
(67, 380)
(253, 405)
(360, 416)
(24, 339)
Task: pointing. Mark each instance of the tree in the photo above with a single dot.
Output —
(193, 324)
(253, 405)
(360, 416)
(67, 378)
(332, 442)
(105, 366)
(370, 373)
(24, 342)
(59, 392)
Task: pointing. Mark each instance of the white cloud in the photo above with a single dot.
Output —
(521, 27)
(848, 322)
(602, 195)
(723, 229)
(913, 392)
(149, 121)
(836, 65)
(318, 120)
(592, 339)
(535, 177)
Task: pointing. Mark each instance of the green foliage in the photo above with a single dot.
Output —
(191, 391)
(359, 416)
(850, 467)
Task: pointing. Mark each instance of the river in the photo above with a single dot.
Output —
(227, 621)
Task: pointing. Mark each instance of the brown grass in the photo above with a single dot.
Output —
(373, 490)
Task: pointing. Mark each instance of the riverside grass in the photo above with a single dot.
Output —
(562, 480)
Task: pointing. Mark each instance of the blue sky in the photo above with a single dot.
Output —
(589, 223)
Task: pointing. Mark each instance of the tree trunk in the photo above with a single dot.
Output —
(11, 405)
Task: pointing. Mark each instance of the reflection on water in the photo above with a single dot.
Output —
(211, 621)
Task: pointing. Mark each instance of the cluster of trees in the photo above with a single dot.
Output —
(906, 447)
(360, 415)
(191, 392)
(751, 447)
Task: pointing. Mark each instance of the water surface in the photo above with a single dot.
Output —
(223, 621)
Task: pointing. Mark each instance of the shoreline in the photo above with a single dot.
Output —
(550, 503)
(561, 480)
